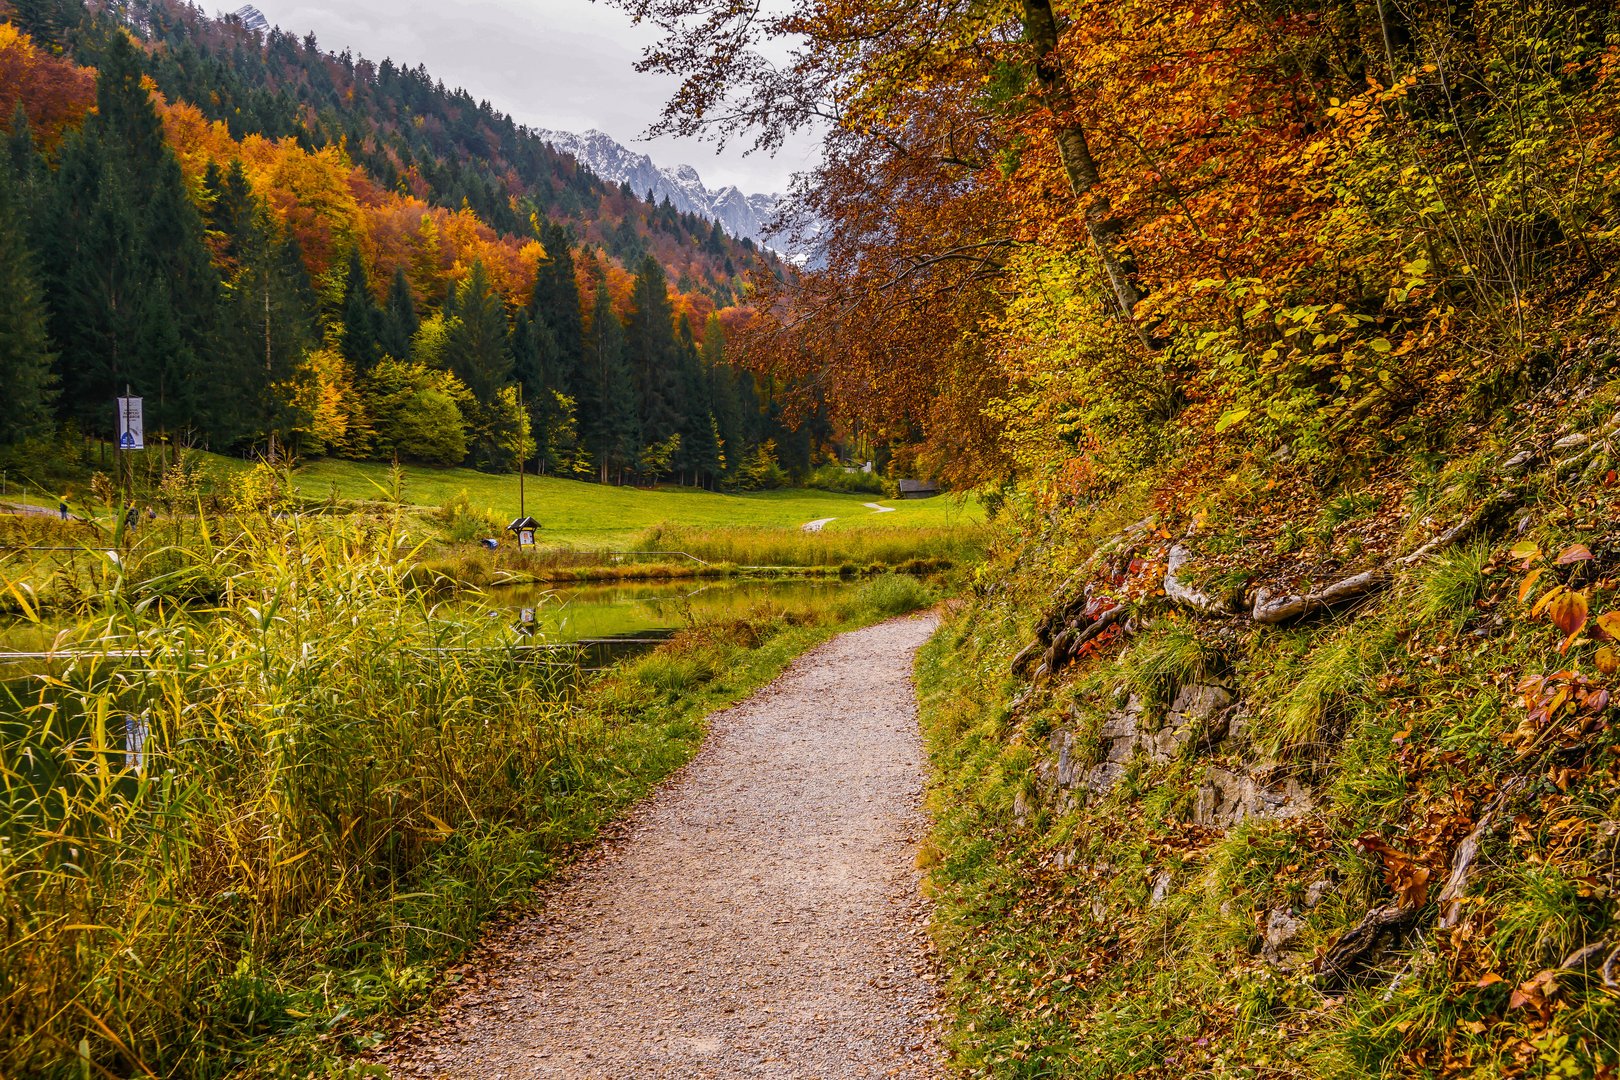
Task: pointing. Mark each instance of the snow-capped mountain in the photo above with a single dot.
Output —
(252, 18)
(738, 213)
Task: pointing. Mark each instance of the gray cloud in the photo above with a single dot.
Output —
(562, 64)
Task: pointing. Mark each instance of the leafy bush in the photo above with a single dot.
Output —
(847, 481)
(888, 594)
(463, 522)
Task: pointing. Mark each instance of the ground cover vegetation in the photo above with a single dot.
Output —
(1277, 737)
(288, 251)
(244, 837)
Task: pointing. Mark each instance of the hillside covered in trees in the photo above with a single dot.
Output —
(1278, 738)
(285, 249)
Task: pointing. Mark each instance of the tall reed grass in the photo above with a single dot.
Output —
(265, 823)
(329, 779)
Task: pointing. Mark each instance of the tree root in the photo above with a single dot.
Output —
(1462, 862)
(1268, 608)
(1355, 951)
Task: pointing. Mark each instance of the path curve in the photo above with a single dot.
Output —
(816, 525)
(878, 508)
(759, 916)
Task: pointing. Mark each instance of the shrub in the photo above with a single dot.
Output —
(834, 477)
(887, 594)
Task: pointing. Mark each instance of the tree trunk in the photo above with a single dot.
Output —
(1040, 25)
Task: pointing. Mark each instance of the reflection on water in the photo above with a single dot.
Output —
(569, 613)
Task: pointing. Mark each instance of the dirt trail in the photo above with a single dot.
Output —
(758, 918)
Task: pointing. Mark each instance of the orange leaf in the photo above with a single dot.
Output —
(1607, 625)
(1490, 978)
(1568, 612)
(1529, 582)
(1607, 660)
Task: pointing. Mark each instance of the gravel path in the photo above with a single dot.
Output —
(817, 525)
(758, 917)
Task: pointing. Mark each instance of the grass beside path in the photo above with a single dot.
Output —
(334, 796)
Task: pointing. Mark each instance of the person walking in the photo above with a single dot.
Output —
(62, 508)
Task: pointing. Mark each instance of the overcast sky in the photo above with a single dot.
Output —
(562, 64)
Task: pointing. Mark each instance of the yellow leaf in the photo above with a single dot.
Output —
(1548, 597)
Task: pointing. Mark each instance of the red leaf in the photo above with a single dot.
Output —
(1573, 553)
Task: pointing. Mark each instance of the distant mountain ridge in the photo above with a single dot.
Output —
(739, 213)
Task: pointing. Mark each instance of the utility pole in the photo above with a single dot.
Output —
(266, 276)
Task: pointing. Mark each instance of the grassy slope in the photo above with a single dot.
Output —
(596, 516)
(1404, 715)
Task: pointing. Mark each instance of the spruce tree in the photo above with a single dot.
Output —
(654, 354)
(25, 351)
(398, 323)
(132, 292)
(724, 397)
(607, 402)
(360, 318)
(476, 345)
(268, 329)
(555, 306)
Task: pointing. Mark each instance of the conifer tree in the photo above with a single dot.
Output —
(269, 328)
(357, 335)
(555, 306)
(25, 353)
(607, 403)
(654, 354)
(476, 343)
(398, 322)
(132, 292)
(731, 432)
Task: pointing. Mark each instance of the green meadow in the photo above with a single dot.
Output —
(586, 515)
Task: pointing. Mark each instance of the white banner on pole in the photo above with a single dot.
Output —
(131, 429)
